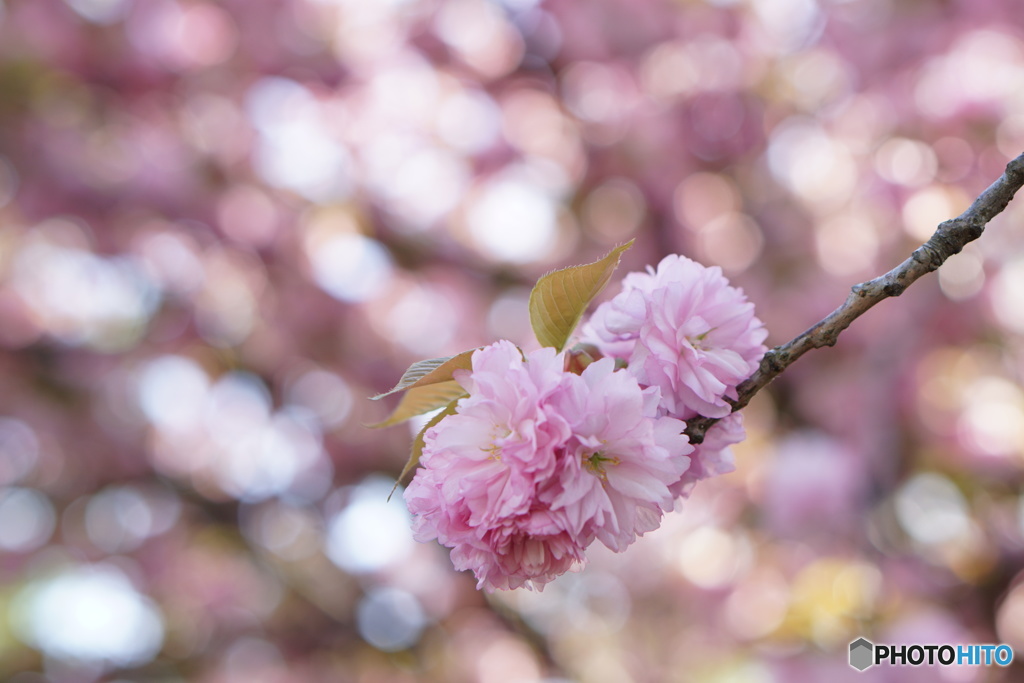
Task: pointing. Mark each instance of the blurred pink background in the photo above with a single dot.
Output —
(224, 225)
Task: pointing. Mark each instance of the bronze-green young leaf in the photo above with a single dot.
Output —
(431, 371)
(423, 399)
(418, 443)
(560, 299)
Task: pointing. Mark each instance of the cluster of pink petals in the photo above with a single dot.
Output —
(682, 328)
(537, 463)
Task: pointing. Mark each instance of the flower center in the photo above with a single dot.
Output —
(494, 450)
(595, 462)
(697, 340)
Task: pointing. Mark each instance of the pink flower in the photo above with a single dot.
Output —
(684, 329)
(621, 460)
(713, 456)
(476, 491)
(537, 463)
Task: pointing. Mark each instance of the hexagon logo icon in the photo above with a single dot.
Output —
(861, 654)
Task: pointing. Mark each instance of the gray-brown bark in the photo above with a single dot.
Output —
(949, 238)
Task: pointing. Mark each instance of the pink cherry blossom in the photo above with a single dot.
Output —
(684, 329)
(713, 456)
(621, 460)
(476, 491)
(537, 463)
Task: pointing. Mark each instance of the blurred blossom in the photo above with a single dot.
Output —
(596, 92)
(513, 219)
(423, 320)
(172, 391)
(478, 32)
(229, 430)
(506, 658)
(253, 659)
(714, 558)
(226, 309)
(100, 11)
(1008, 295)
(268, 461)
(237, 404)
(91, 614)
(831, 597)
(509, 317)
(847, 244)
(906, 162)
(983, 66)
(119, 518)
(703, 197)
(82, 298)
(816, 78)
(758, 604)
(8, 174)
(424, 185)
(1009, 137)
(813, 485)
(296, 150)
(535, 123)
(992, 421)
(815, 166)
(19, 450)
(370, 532)
(929, 206)
(956, 157)
(668, 70)
(574, 600)
(931, 509)
(301, 156)
(788, 24)
(194, 36)
(614, 210)
(350, 267)
(1010, 617)
(172, 261)
(215, 125)
(326, 395)
(732, 241)
(260, 454)
(469, 121)
(390, 619)
(27, 519)
(288, 531)
(248, 215)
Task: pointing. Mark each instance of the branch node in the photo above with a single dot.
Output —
(894, 288)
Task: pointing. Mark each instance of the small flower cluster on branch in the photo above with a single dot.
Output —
(536, 456)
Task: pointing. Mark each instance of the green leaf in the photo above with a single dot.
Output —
(422, 399)
(431, 371)
(418, 443)
(560, 299)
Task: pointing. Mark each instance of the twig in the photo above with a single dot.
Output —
(949, 238)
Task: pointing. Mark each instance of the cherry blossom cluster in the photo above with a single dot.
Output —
(543, 458)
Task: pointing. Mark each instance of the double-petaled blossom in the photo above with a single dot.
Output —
(621, 461)
(537, 463)
(713, 456)
(682, 328)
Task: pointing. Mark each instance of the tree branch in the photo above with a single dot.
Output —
(949, 238)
